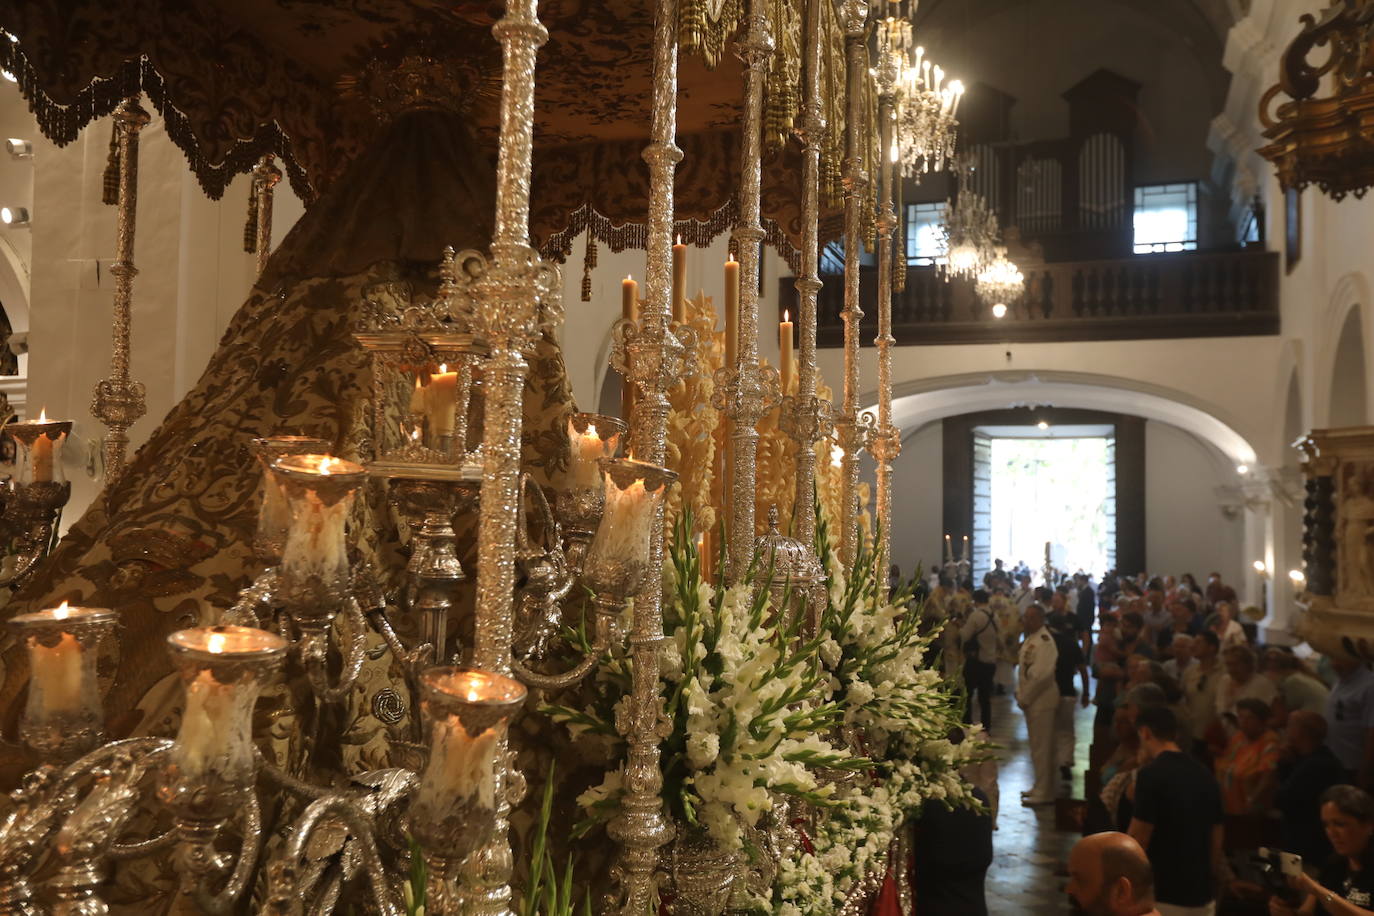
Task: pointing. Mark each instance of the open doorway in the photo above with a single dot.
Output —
(1044, 490)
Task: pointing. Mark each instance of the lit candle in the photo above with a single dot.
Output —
(949, 549)
(57, 668)
(629, 310)
(587, 449)
(274, 515)
(679, 281)
(320, 490)
(62, 718)
(785, 351)
(441, 401)
(619, 553)
(731, 313)
(467, 712)
(42, 441)
(222, 670)
(417, 398)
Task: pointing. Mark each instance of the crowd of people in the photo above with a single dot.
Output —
(1208, 748)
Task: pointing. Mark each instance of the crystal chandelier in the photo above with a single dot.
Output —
(1000, 282)
(926, 105)
(971, 233)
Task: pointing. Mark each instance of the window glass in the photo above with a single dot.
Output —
(1166, 217)
(925, 234)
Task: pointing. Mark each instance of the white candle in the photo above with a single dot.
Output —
(587, 449)
(441, 397)
(417, 398)
(315, 542)
(465, 766)
(731, 313)
(57, 670)
(205, 723)
(679, 281)
(785, 352)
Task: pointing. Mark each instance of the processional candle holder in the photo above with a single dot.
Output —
(40, 489)
(62, 717)
(274, 514)
(591, 437)
(466, 713)
(314, 577)
(211, 767)
(617, 564)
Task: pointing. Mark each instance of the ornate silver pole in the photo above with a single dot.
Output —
(119, 401)
(855, 13)
(509, 291)
(265, 177)
(747, 391)
(657, 356)
(807, 418)
(886, 444)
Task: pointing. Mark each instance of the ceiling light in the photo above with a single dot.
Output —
(1259, 566)
(14, 217)
(999, 311)
(1297, 576)
(19, 149)
(1242, 469)
(1043, 424)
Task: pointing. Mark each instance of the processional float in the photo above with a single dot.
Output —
(448, 373)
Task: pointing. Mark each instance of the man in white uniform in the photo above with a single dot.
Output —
(1037, 693)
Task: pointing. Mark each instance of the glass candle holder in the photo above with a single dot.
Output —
(40, 444)
(466, 712)
(211, 763)
(63, 717)
(618, 557)
(591, 437)
(319, 491)
(274, 515)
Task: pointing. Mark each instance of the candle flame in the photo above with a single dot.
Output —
(216, 643)
(62, 611)
(679, 238)
(591, 432)
(443, 368)
(328, 463)
(785, 316)
(629, 279)
(43, 415)
(417, 383)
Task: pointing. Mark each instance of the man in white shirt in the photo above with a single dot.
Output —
(1037, 693)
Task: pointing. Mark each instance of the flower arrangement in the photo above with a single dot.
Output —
(760, 711)
(737, 692)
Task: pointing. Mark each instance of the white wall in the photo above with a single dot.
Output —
(587, 325)
(192, 276)
(918, 500)
(1185, 530)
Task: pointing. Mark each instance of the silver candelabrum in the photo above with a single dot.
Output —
(306, 617)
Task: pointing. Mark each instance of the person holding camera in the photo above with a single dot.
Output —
(1345, 886)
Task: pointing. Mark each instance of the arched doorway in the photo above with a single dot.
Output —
(1348, 404)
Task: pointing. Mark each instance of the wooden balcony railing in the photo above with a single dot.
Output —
(1189, 294)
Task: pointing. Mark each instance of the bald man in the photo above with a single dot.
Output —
(1109, 875)
(1308, 769)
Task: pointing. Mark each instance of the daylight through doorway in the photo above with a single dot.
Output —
(1044, 489)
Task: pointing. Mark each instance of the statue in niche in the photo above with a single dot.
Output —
(1355, 550)
(9, 362)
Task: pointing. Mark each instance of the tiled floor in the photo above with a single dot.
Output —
(1026, 847)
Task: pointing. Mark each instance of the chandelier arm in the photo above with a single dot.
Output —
(314, 651)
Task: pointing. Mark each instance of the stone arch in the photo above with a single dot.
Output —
(918, 403)
(1348, 395)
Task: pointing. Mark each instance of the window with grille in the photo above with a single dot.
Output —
(1166, 218)
(925, 234)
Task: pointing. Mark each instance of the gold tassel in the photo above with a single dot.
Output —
(109, 182)
(588, 264)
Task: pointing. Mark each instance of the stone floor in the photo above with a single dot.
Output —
(1026, 847)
